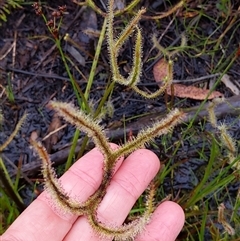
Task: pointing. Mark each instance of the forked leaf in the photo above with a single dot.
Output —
(134, 76)
(83, 122)
(128, 30)
(91, 127)
(114, 45)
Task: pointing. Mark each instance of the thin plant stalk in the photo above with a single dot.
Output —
(10, 188)
(95, 60)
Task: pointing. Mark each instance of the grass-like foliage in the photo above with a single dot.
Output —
(6, 6)
(211, 200)
(92, 128)
(226, 139)
(10, 199)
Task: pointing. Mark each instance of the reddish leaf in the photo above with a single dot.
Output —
(192, 92)
(160, 70)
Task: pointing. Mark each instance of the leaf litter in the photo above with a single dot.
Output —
(160, 71)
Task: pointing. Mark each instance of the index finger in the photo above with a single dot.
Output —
(41, 220)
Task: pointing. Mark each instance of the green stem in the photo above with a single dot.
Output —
(58, 44)
(72, 150)
(95, 60)
(9, 187)
(89, 84)
(104, 99)
(202, 105)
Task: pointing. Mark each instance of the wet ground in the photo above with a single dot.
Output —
(35, 72)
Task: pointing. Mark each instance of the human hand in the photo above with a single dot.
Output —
(41, 221)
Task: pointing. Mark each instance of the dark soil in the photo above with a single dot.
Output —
(37, 75)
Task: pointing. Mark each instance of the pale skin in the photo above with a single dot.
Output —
(42, 221)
